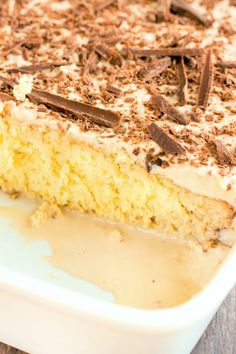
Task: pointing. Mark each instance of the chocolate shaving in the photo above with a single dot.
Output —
(168, 52)
(181, 7)
(91, 63)
(113, 89)
(206, 80)
(7, 81)
(97, 115)
(32, 42)
(111, 39)
(169, 110)
(30, 69)
(223, 155)
(182, 91)
(232, 2)
(108, 53)
(179, 41)
(227, 64)
(152, 70)
(103, 4)
(28, 42)
(4, 97)
(163, 11)
(165, 140)
(103, 50)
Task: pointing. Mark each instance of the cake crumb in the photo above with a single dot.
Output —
(14, 195)
(44, 213)
(116, 236)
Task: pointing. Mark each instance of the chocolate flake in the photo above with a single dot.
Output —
(165, 140)
(227, 64)
(7, 81)
(181, 41)
(111, 39)
(223, 155)
(103, 50)
(30, 69)
(29, 43)
(113, 89)
(154, 69)
(103, 4)
(182, 91)
(164, 106)
(168, 52)
(183, 8)
(97, 115)
(4, 97)
(91, 63)
(206, 80)
(163, 11)
(108, 53)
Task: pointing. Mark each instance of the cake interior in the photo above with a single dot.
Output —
(49, 165)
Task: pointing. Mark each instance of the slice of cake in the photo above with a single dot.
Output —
(124, 110)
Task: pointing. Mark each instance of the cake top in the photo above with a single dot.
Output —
(159, 77)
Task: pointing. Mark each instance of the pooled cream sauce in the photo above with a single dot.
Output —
(141, 269)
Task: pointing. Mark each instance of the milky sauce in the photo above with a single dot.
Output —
(139, 268)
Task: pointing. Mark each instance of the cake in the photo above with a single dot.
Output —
(122, 109)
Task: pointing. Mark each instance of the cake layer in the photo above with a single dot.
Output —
(48, 164)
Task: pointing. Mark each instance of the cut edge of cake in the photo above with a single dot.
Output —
(49, 164)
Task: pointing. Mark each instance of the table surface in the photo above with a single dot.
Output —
(219, 338)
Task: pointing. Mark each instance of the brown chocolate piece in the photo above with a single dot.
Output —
(179, 41)
(168, 52)
(103, 4)
(163, 11)
(183, 8)
(206, 80)
(4, 97)
(223, 155)
(164, 106)
(7, 81)
(32, 42)
(91, 63)
(227, 64)
(28, 42)
(97, 115)
(113, 89)
(232, 2)
(111, 39)
(108, 53)
(165, 140)
(30, 69)
(182, 91)
(103, 50)
(154, 69)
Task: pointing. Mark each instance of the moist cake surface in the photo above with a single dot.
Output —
(152, 137)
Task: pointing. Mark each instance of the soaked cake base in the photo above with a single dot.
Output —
(49, 164)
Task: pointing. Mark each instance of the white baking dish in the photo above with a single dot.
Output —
(45, 316)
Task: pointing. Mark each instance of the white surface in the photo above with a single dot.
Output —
(46, 311)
